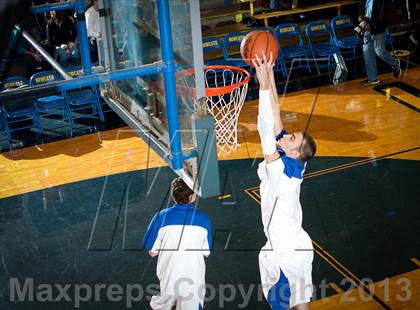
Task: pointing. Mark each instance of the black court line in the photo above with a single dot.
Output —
(403, 86)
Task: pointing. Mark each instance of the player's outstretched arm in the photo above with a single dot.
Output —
(278, 124)
(265, 111)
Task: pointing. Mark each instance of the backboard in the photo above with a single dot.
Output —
(135, 34)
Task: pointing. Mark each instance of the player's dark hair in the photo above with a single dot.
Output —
(180, 191)
(307, 149)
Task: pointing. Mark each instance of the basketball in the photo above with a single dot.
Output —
(258, 42)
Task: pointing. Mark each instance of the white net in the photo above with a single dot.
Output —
(232, 83)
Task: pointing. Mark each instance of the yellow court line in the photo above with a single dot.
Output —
(336, 288)
(337, 262)
(389, 289)
(346, 166)
(337, 168)
(354, 164)
(251, 194)
(415, 261)
(346, 276)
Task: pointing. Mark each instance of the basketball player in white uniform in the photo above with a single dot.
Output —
(181, 237)
(286, 259)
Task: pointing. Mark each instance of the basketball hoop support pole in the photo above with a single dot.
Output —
(207, 164)
(170, 86)
(83, 36)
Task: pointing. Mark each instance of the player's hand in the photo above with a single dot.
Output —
(258, 62)
(263, 69)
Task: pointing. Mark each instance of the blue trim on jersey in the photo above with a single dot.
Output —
(279, 295)
(178, 214)
(152, 232)
(292, 167)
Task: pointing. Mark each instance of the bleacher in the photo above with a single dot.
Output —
(32, 110)
(223, 22)
(313, 8)
(228, 20)
(236, 17)
(218, 19)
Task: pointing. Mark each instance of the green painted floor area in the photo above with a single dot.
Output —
(87, 234)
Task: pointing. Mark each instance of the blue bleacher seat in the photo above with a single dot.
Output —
(320, 42)
(19, 113)
(213, 47)
(51, 101)
(344, 36)
(15, 82)
(231, 50)
(291, 47)
(85, 98)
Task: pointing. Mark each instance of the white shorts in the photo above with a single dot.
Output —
(286, 285)
(167, 302)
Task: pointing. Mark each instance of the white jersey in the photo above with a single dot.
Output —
(182, 237)
(92, 22)
(286, 258)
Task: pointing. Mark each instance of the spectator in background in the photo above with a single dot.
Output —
(61, 34)
(93, 28)
(283, 4)
(410, 12)
(373, 13)
(25, 57)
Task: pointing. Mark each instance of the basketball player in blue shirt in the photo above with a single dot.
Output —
(286, 258)
(181, 237)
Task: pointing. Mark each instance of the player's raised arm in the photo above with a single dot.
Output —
(265, 109)
(278, 124)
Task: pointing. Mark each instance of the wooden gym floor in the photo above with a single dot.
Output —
(360, 200)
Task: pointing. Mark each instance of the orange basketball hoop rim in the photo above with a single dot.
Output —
(226, 89)
(221, 90)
